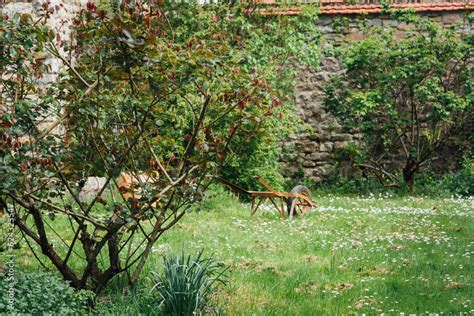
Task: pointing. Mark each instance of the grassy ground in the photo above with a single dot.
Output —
(353, 255)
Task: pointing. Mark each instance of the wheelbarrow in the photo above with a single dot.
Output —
(297, 201)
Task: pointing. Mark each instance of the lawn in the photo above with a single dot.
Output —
(353, 255)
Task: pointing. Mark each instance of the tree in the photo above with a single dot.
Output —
(165, 95)
(409, 97)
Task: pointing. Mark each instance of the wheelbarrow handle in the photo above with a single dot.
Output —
(233, 186)
(266, 185)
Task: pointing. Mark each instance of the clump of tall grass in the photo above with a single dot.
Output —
(186, 283)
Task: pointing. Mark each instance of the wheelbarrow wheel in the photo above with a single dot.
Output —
(302, 204)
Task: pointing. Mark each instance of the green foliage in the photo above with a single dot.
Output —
(351, 152)
(186, 283)
(39, 293)
(122, 300)
(177, 91)
(409, 96)
(459, 183)
(428, 183)
(274, 48)
(356, 185)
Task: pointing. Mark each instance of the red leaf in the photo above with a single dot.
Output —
(101, 14)
(45, 4)
(91, 7)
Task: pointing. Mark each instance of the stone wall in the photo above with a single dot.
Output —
(311, 153)
(59, 21)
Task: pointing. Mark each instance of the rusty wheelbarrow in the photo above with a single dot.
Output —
(297, 201)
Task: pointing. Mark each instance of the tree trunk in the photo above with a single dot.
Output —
(411, 167)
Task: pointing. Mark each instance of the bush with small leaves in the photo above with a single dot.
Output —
(43, 293)
(178, 91)
(411, 98)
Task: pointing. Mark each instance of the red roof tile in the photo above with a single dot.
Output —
(331, 7)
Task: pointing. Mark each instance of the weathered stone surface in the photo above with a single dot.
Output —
(326, 29)
(327, 146)
(374, 22)
(355, 35)
(392, 23)
(340, 136)
(316, 156)
(308, 164)
(60, 22)
(323, 170)
(341, 144)
(91, 188)
(314, 153)
(450, 18)
(315, 179)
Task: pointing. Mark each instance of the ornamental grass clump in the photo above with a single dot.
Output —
(186, 283)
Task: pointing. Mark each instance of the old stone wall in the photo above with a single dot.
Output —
(311, 154)
(59, 21)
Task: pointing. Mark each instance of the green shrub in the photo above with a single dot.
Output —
(335, 184)
(460, 182)
(261, 159)
(191, 88)
(43, 293)
(186, 283)
(409, 98)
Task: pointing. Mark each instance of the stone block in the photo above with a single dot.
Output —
(330, 64)
(314, 137)
(399, 34)
(318, 156)
(341, 136)
(308, 164)
(391, 23)
(323, 170)
(402, 26)
(374, 22)
(308, 172)
(327, 146)
(341, 144)
(309, 147)
(322, 76)
(315, 179)
(327, 29)
(91, 188)
(323, 163)
(325, 20)
(355, 35)
(333, 37)
(450, 18)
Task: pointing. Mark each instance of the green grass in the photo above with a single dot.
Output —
(372, 255)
